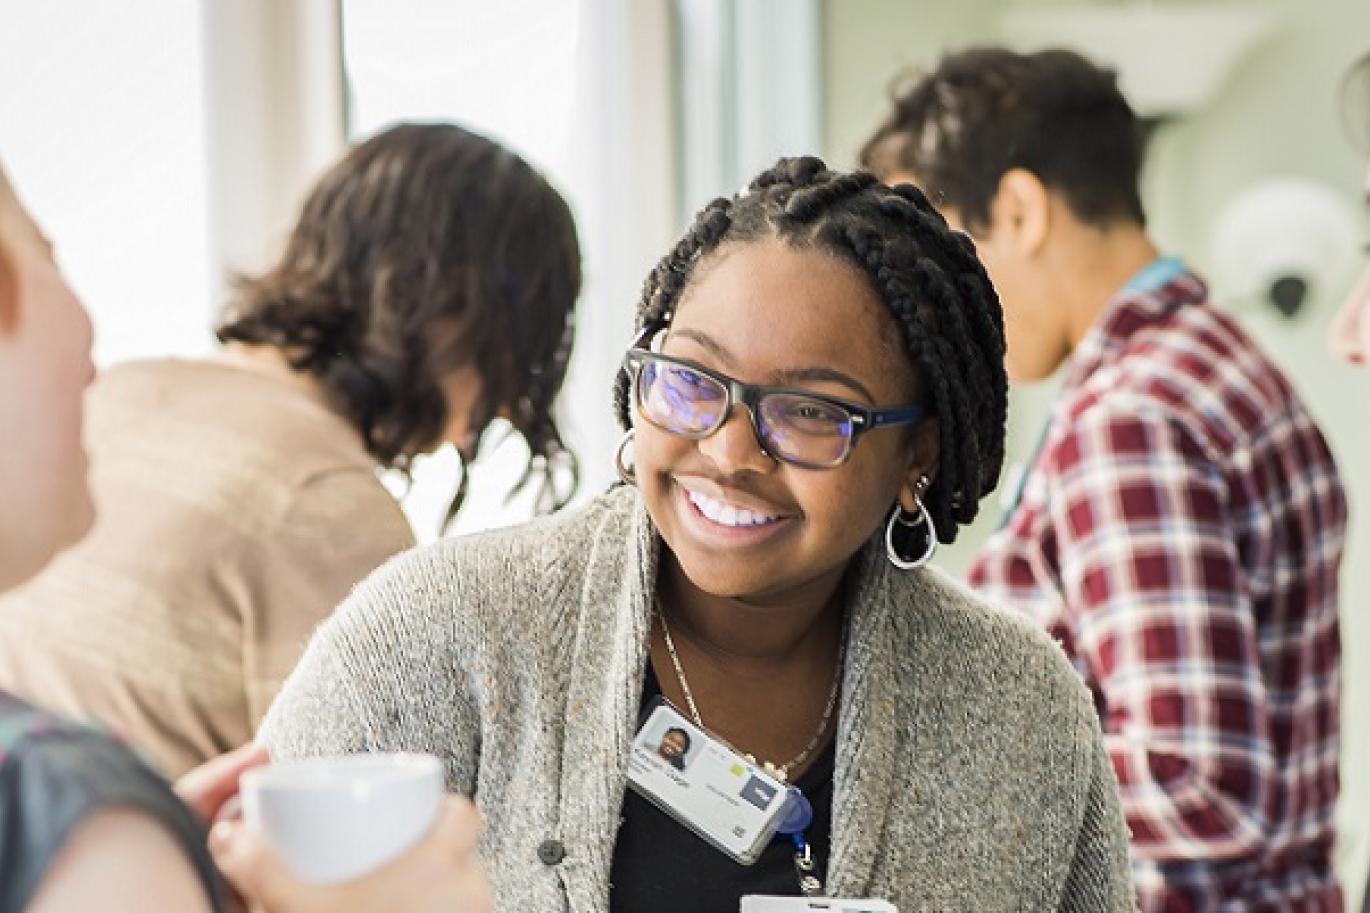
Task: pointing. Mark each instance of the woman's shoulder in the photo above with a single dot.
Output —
(347, 507)
(268, 427)
(54, 775)
(502, 582)
(445, 627)
(224, 450)
(545, 549)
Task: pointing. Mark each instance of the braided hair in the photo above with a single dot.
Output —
(929, 277)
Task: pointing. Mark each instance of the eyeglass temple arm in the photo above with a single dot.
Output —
(644, 336)
(879, 418)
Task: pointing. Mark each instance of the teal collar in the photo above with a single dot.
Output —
(1155, 276)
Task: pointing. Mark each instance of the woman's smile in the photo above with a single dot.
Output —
(718, 515)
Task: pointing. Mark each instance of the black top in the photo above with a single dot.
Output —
(53, 774)
(661, 867)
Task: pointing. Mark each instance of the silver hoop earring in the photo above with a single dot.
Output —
(920, 518)
(626, 473)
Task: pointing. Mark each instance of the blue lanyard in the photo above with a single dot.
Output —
(810, 885)
(798, 817)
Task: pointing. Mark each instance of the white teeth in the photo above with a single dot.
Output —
(725, 514)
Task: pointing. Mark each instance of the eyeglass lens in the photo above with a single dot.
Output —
(794, 427)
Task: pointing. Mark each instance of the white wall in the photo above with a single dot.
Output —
(102, 128)
(167, 150)
(749, 90)
(273, 102)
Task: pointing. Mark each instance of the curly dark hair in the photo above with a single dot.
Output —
(986, 111)
(929, 277)
(426, 249)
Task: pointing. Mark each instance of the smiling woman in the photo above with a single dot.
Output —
(815, 397)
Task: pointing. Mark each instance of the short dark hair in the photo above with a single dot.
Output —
(676, 730)
(950, 324)
(427, 248)
(986, 111)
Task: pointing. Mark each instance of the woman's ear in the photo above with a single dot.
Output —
(926, 451)
(1021, 209)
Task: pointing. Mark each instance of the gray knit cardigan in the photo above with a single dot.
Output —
(970, 774)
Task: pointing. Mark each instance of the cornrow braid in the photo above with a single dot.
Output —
(951, 325)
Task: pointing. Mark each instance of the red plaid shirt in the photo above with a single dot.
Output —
(1179, 531)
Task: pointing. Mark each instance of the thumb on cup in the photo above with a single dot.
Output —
(247, 863)
(458, 827)
(207, 788)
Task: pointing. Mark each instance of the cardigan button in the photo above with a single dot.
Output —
(551, 852)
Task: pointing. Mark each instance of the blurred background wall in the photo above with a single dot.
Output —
(165, 146)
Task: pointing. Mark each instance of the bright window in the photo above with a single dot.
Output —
(102, 131)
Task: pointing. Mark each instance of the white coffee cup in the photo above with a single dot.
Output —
(335, 819)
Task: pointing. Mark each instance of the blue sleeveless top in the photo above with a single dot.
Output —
(53, 775)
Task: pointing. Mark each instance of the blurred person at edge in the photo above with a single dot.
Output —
(1350, 332)
(1180, 527)
(84, 824)
(426, 288)
(1349, 335)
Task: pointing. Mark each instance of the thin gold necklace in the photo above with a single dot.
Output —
(782, 771)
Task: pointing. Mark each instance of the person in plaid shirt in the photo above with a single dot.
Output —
(1181, 524)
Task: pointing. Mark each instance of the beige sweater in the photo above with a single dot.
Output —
(235, 512)
(970, 771)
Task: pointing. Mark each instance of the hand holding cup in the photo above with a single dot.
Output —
(347, 835)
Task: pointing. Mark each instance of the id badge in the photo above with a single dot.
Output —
(757, 903)
(705, 786)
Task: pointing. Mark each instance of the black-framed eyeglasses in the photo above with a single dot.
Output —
(811, 430)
